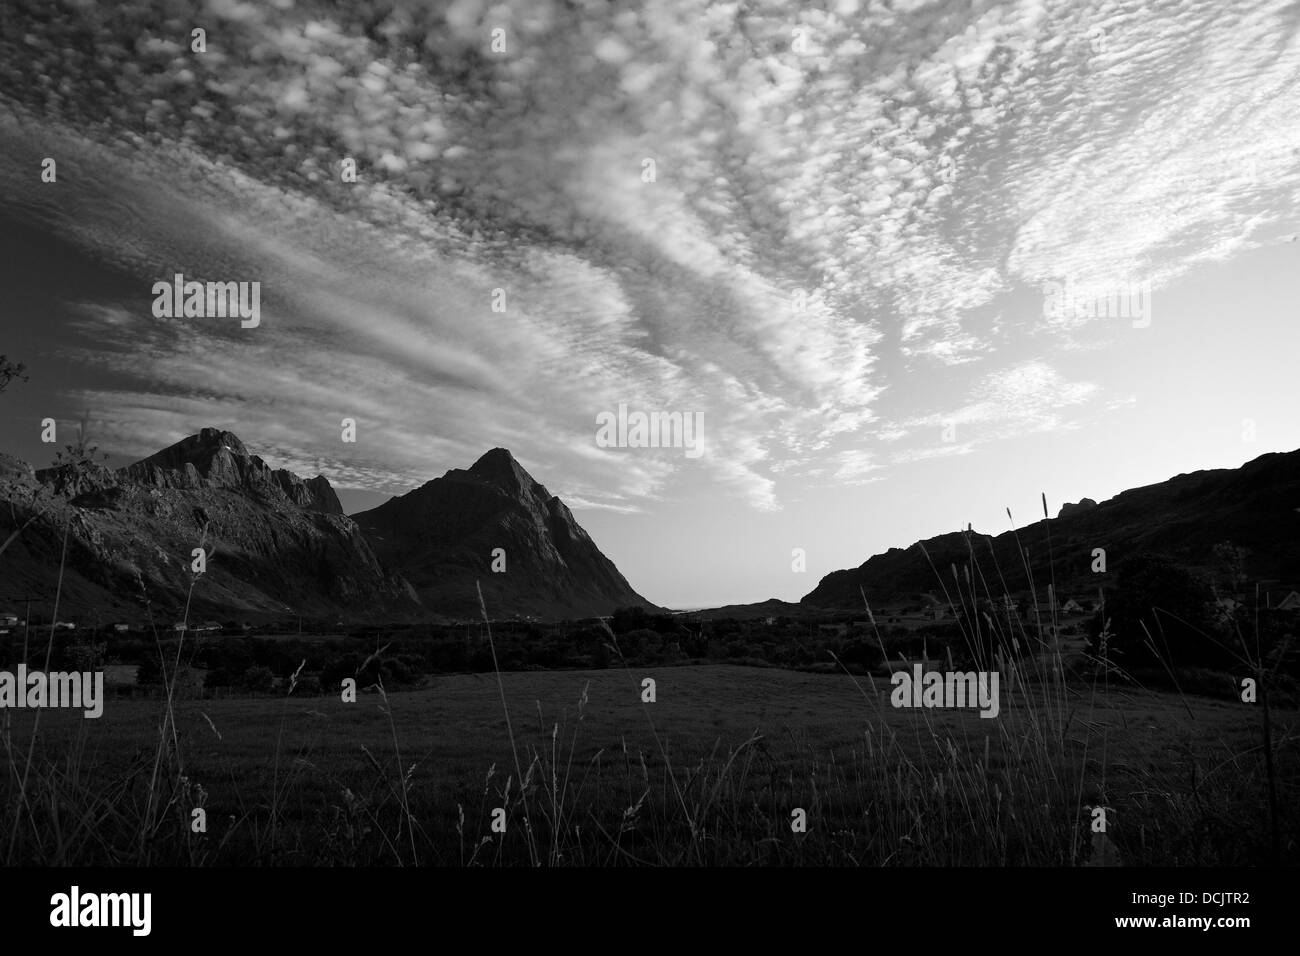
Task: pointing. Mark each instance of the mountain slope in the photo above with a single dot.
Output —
(442, 536)
(1256, 506)
(277, 543)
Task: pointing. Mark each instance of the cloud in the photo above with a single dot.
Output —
(1020, 399)
(827, 222)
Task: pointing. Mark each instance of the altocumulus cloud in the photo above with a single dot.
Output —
(901, 171)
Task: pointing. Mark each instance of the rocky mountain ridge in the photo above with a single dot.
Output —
(1255, 507)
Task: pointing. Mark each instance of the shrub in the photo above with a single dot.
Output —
(308, 686)
(1164, 600)
(83, 656)
(259, 678)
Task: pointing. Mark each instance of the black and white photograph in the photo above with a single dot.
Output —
(850, 439)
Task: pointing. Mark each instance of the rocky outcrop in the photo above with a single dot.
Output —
(323, 498)
(1083, 504)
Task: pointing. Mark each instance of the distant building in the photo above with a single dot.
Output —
(1290, 603)
(121, 628)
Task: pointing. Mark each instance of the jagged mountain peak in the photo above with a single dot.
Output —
(219, 436)
(216, 458)
(493, 459)
(199, 450)
(216, 439)
(500, 468)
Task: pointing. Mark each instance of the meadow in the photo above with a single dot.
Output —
(585, 772)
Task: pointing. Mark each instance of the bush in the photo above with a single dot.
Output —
(863, 653)
(639, 643)
(308, 686)
(1164, 600)
(627, 619)
(258, 679)
(83, 656)
(150, 670)
(220, 677)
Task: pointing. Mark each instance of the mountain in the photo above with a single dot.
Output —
(217, 459)
(772, 607)
(276, 543)
(1256, 507)
(441, 537)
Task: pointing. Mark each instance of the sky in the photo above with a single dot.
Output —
(911, 264)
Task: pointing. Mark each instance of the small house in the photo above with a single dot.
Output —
(1290, 603)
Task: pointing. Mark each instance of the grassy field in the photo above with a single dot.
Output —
(709, 773)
